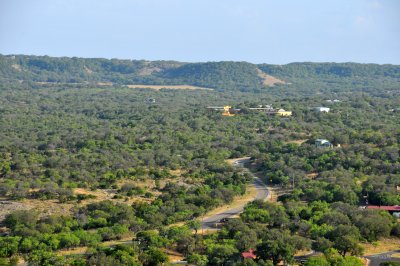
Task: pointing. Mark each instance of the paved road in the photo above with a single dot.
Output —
(376, 260)
(262, 193)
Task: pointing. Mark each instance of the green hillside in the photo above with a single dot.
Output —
(243, 76)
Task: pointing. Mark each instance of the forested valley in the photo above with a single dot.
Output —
(94, 172)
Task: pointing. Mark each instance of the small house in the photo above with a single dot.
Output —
(323, 143)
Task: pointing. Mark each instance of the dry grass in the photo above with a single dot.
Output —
(104, 84)
(298, 141)
(207, 231)
(173, 255)
(269, 80)
(177, 172)
(72, 251)
(382, 246)
(273, 195)
(84, 250)
(312, 175)
(125, 240)
(87, 70)
(48, 207)
(172, 87)
(16, 67)
(100, 194)
(303, 252)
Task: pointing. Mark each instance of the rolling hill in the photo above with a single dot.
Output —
(220, 76)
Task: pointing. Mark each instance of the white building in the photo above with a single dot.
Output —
(323, 143)
(322, 109)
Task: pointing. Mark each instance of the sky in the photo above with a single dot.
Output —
(257, 31)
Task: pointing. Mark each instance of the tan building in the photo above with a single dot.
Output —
(282, 112)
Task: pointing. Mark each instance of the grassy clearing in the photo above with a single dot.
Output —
(382, 246)
(173, 255)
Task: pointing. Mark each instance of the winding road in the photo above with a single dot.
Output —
(377, 259)
(262, 193)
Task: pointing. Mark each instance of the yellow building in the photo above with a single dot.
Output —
(227, 111)
(282, 112)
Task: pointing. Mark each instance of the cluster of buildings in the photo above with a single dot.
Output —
(268, 109)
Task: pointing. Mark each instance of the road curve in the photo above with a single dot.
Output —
(377, 259)
(262, 193)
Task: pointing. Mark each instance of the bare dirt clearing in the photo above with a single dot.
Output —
(171, 87)
(269, 80)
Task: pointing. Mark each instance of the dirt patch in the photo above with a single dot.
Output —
(303, 252)
(123, 241)
(273, 195)
(44, 207)
(104, 84)
(173, 255)
(16, 67)
(207, 231)
(72, 251)
(6, 207)
(171, 87)
(298, 141)
(100, 194)
(268, 80)
(312, 175)
(232, 161)
(87, 70)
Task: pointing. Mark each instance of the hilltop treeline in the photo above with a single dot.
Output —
(228, 76)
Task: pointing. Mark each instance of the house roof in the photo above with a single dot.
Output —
(385, 208)
(249, 254)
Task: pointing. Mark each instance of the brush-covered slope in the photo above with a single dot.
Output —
(217, 75)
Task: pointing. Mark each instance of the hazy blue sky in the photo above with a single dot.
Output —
(278, 31)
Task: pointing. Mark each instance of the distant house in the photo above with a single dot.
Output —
(322, 109)
(323, 143)
(333, 101)
(249, 255)
(394, 210)
(150, 100)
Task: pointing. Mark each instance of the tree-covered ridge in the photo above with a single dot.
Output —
(307, 70)
(229, 76)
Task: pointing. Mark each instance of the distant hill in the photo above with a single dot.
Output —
(241, 76)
